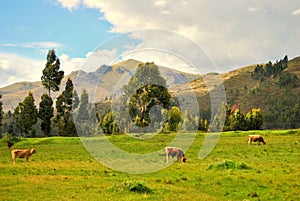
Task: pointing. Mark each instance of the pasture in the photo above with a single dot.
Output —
(62, 169)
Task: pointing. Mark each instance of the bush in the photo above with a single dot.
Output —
(228, 165)
(135, 186)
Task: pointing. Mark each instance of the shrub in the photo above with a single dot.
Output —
(228, 165)
(135, 186)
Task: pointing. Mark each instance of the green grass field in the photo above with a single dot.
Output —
(63, 170)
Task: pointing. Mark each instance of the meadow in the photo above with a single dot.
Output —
(62, 169)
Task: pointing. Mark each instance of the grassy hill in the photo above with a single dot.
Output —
(62, 169)
(242, 89)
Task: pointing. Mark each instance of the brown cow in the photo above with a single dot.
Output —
(174, 152)
(18, 153)
(255, 138)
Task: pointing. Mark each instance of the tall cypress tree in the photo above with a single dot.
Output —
(46, 113)
(83, 113)
(26, 115)
(64, 109)
(52, 76)
(1, 112)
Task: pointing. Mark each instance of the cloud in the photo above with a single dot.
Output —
(240, 34)
(69, 4)
(296, 12)
(16, 68)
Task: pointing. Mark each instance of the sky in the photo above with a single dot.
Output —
(190, 35)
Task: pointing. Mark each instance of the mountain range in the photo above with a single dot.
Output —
(107, 82)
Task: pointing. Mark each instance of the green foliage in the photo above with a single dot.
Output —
(134, 186)
(26, 115)
(189, 122)
(261, 73)
(237, 120)
(145, 89)
(46, 113)
(52, 76)
(254, 119)
(76, 100)
(229, 165)
(109, 124)
(288, 80)
(64, 117)
(1, 112)
(174, 118)
(83, 112)
(284, 111)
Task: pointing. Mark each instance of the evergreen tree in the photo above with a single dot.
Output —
(46, 113)
(52, 76)
(26, 115)
(83, 113)
(1, 112)
(64, 118)
(75, 100)
(145, 89)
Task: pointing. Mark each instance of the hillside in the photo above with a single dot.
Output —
(249, 93)
(104, 82)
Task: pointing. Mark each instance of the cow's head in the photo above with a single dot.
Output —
(32, 151)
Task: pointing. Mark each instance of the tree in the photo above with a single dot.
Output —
(145, 89)
(26, 115)
(83, 113)
(109, 124)
(1, 112)
(64, 118)
(46, 113)
(174, 118)
(254, 119)
(52, 76)
(189, 123)
(75, 100)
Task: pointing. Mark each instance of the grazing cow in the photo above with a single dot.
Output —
(9, 144)
(174, 152)
(18, 153)
(255, 138)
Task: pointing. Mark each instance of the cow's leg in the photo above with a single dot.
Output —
(13, 155)
(249, 141)
(166, 155)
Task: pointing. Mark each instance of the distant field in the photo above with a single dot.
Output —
(63, 170)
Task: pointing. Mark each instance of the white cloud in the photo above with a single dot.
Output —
(99, 57)
(296, 12)
(15, 68)
(229, 34)
(45, 44)
(70, 64)
(70, 4)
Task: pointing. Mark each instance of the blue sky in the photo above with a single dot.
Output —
(28, 25)
(231, 33)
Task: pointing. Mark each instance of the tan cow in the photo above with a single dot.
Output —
(174, 152)
(255, 138)
(18, 153)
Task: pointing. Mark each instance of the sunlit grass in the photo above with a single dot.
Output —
(62, 169)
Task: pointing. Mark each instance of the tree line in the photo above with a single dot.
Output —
(139, 100)
(27, 119)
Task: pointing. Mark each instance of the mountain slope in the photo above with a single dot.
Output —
(106, 81)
